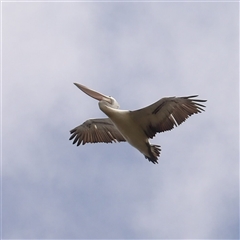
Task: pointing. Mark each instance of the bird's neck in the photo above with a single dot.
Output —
(110, 111)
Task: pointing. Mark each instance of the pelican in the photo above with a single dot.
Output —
(135, 127)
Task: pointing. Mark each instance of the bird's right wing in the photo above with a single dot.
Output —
(166, 113)
(96, 130)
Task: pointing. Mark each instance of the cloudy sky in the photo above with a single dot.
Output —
(137, 52)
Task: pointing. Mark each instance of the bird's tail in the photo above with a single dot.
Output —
(154, 152)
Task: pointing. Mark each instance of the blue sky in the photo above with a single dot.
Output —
(137, 53)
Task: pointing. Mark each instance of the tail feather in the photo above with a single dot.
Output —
(154, 152)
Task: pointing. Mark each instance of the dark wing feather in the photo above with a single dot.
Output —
(96, 130)
(166, 113)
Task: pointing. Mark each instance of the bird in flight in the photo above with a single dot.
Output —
(135, 127)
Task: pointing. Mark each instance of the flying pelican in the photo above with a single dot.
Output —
(135, 127)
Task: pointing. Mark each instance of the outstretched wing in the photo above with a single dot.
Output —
(96, 130)
(166, 113)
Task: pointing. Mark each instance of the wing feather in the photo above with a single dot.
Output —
(167, 113)
(96, 130)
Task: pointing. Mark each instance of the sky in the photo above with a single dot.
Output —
(137, 52)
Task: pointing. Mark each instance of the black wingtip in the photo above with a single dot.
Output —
(196, 100)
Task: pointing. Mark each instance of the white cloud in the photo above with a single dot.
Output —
(138, 53)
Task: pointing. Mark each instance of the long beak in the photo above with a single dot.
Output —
(98, 96)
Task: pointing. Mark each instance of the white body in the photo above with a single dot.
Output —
(129, 128)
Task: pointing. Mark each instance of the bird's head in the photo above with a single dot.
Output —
(103, 99)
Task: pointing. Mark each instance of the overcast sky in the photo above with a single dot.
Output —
(137, 53)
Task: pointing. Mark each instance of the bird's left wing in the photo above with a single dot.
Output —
(166, 113)
(96, 130)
